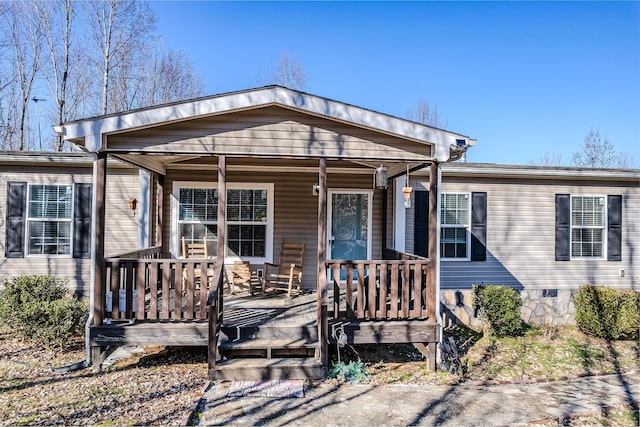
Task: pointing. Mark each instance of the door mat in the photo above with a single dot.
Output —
(276, 389)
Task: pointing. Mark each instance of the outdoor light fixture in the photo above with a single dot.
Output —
(407, 196)
(133, 206)
(381, 177)
(315, 190)
(407, 190)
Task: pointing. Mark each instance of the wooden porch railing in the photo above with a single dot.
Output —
(152, 252)
(215, 312)
(157, 289)
(381, 290)
(393, 254)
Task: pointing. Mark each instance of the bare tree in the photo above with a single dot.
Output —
(288, 72)
(599, 152)
(118, 26)
(26, 40)
(57, 21)
(61, 43)
(427, 114)
(548, 159)
(170, 78)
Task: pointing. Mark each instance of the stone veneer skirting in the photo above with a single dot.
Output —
(536, 309)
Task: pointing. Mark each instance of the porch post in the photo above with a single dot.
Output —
(100, 179)
(222, 206)
(323, 296)
(432, 240)
(432, 251)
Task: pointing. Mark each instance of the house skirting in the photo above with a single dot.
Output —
(549, 307)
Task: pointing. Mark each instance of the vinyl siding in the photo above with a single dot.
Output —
(295, 208)
(121, 228)
(521, 236)
(269, 131)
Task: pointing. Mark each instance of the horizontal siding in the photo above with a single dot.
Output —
(521, 236)
(295, 209)
(269, 131)
(121, 228)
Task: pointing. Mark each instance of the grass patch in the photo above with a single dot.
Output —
(540, 354)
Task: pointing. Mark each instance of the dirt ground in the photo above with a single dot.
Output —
(157, 389)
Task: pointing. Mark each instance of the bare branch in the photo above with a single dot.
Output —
(427, 115)
(288, 72)
(599, 152)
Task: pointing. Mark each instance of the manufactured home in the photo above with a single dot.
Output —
(269, 224)
(543, 231)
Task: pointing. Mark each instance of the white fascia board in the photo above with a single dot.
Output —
(538, 172)
(93, 129)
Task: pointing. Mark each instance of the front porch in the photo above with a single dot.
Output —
(239, 173)
(265, 335)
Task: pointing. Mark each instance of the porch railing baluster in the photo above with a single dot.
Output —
(385, 289)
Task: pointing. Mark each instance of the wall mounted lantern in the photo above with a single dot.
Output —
(381, 178)
(133, 206)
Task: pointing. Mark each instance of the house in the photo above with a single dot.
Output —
(244, 172)
(374, 200)
(543, 231)
(56, 240)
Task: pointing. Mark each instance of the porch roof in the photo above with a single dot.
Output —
(404, 141)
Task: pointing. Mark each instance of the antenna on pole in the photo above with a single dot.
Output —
(36, 100)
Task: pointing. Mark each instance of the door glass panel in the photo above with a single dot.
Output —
(349, 226)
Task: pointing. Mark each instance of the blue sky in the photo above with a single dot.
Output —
(523, 78)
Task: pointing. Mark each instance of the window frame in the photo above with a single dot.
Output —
(604, 228)
(175, 212)
(466, 227)
(29, 220)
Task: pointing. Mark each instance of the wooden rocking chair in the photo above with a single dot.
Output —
(289, 270)
(195, 250)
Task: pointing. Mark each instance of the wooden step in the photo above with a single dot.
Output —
(268, 348)
(274, 332)
(267, 369)
(267, 343)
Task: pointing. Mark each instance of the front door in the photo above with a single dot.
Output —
(349, 222)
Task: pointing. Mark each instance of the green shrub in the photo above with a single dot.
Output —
(608, 313)
(354, 372)
(38, 308)
(499, 309)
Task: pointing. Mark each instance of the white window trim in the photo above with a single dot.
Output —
(467, 227)
(370, 193)
(400, 216)
(28, 221)
(604, 227)
(175, 197)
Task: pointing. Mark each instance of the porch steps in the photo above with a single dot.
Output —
(268, 369)
(268, 342)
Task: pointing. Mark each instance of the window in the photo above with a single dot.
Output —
(249, 219)
(198, 216)
(247, 222)
(49, 215)
(454, 222)
(587, 226)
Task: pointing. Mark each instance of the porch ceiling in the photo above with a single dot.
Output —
(160, 163)
(269, 122)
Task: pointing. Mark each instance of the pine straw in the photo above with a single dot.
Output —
(147, 391)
